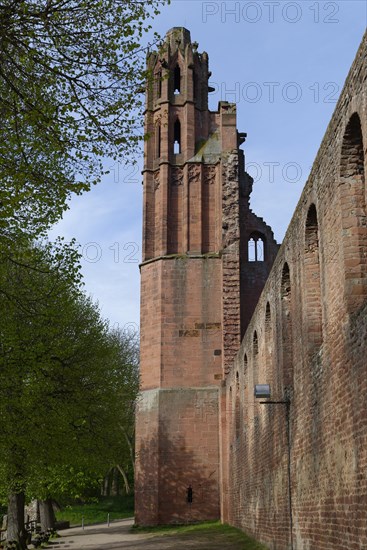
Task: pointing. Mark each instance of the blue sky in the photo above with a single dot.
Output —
(284, 64)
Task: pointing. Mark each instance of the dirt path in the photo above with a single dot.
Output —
(119, 537)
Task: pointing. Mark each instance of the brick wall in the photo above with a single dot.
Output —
(308, 339)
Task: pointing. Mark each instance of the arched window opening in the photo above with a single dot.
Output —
(159, 84)
(255, 343)
(177, 80)
(267, 318)
(230, 413)
(177, 138)
(287, 336)
(354, 219)
(268, 345)
(313, 311)
(238, 407)
(256, 248)
(286, 287)
(245, 390)
(312, 238)
(251, 250)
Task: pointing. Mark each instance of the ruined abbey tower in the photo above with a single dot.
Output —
(206, 258)
(223, 309)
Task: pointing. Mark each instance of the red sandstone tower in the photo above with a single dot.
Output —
(206, 257)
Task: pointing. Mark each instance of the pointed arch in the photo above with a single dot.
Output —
(238, 407)
(287, 328)
(312, 284)
(245, 390)
(269, 344)
(353, 210)
(267, 319)
(255, 342)
(255, 357)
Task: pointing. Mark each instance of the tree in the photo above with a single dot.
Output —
(112, 445)
(67, 384)
(125, 381)
(109, 444)
(33, 284)
(70, 74)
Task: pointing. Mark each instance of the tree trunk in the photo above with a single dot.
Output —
(131, 448)
(16, 529)
(47, 514)
(126, 481)
(106, 486)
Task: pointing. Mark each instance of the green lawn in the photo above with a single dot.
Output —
(117, 507)
(219, 534)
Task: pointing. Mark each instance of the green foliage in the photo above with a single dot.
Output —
(67, 383)
(70, 75)
(117, 507)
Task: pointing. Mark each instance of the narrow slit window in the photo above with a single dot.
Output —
(251, 250)
(177, 138)
(260, 250)
(159, 84)
(255, 343)
(177, 80)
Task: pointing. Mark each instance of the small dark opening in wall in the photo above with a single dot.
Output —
(177, 138)
(159, 84)
(267, 318)
(255, 343)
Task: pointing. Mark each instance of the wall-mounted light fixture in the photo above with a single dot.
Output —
(262, 391)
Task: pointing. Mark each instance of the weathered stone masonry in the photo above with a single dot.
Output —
(206, 260)
(195, 194)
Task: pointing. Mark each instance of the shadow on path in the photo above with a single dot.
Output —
(118, 536)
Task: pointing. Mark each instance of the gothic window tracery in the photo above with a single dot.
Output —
(256, 248)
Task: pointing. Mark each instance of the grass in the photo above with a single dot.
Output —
(216, 534)
(221, 535)
(117, 507)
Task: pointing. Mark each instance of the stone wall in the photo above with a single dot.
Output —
(308, 340)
